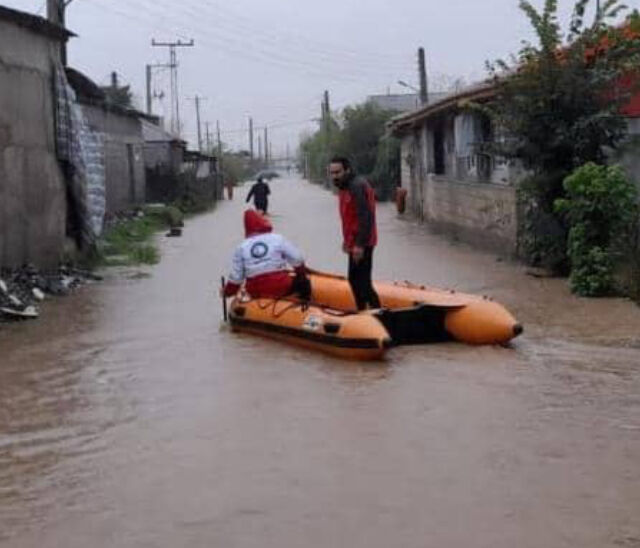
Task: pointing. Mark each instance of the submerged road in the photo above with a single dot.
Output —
(130, 416)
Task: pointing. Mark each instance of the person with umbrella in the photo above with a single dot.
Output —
(260, 193)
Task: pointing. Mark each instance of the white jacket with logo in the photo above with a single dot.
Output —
(261, 254)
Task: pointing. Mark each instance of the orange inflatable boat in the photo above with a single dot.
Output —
(416, 314)
(357, 336)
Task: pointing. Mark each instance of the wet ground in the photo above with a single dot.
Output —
(131, 417)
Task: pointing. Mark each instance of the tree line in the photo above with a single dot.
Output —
(359, 133)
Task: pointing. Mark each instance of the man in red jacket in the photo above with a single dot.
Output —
(358, 213)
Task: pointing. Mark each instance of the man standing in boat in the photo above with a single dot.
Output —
(358, 214)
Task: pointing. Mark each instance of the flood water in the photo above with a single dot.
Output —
(130, 416)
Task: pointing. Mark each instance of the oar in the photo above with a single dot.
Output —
(224, 300)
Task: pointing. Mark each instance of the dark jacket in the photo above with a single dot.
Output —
(259, 191)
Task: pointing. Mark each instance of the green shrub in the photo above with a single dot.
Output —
(169, 215)
(601, 209)
(126, 243)
(145, 254)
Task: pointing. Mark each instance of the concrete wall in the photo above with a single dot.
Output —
(405, 168)
(481, 214)
(166, 156)
(32, 189)
(124, 156)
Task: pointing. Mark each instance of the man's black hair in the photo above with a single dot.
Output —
(346, 164)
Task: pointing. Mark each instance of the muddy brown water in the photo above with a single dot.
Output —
(131, 417)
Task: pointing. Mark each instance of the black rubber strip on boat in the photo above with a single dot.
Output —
(420, 324)
(309, 335)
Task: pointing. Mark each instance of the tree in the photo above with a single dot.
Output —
(360, 137)
(364, 126)
(560, 104)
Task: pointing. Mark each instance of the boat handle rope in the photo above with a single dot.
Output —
(273, 305)
(303, 306)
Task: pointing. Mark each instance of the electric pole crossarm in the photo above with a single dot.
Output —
(178, 44)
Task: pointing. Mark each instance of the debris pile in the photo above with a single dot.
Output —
(22, 289)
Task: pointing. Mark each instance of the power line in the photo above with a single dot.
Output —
(285, 35)
(281, 58)
(236, 24)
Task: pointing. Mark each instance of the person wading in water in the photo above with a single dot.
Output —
(260, 193)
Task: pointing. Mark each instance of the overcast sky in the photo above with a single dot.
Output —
(272, 59)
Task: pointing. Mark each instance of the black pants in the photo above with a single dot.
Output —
(360, 280)
(263, 205)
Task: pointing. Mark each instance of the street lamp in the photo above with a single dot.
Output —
(405, 85)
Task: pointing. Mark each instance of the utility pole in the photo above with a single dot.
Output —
(173, 63)
(251, 138)
(326, 109)
(323, 112)
(55, 12)
(327, 117)
(56, 15)
(422, 71)
(149, 104)
(197, 100)
(259, 148)
(220, 161)
(208, 137)
(266, 146)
